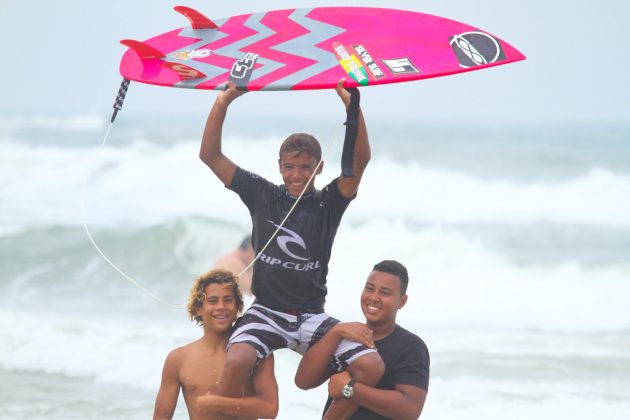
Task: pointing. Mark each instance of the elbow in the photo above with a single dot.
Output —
(363, 160)
(270, 411)
(303, 384)
(414, 410)
(205, 158)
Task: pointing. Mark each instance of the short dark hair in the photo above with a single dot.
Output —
(245, 243)
(397, 269)
(299, 143)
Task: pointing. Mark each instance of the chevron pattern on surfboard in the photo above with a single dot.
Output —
(311, 49)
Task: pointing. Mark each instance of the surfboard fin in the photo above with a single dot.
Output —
(146, 52)
(197, 20)
(183, 71)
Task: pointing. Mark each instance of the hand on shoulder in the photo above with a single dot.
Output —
(355, 331)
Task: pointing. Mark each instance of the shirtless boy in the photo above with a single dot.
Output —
(214, 302)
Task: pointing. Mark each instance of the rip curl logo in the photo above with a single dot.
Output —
(476, 49)
(284, 241)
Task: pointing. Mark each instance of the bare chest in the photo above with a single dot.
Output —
(200, 375)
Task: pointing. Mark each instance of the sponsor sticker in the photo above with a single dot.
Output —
(351, 64)
(183, 71)
(190, 54)
(370, 63)
(400, 66)
(242, 69)
(476, 49)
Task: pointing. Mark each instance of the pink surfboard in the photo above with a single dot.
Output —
(311, 49)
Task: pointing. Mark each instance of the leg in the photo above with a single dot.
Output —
(367, 369)
(241, 358)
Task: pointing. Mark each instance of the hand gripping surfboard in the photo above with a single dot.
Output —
(300, 49)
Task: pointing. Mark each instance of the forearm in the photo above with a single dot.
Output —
(254, 406)
(211, 153)
(390, 403)
(211, 140)
(362, 151)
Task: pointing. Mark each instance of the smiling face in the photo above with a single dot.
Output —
(296, 169)
(381, 299)
(219, 308)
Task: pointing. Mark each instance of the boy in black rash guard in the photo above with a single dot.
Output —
(402, 391)
(289, 279)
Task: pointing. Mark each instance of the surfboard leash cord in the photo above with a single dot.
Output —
(120, 98)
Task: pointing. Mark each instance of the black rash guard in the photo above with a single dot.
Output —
(291, 272)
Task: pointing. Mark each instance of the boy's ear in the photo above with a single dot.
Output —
(321, 168)
(403, 301)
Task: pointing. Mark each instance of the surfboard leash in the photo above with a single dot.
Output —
(352, 126)
(120, 98)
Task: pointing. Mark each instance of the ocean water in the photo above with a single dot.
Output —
(516, 237)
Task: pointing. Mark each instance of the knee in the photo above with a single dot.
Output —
(240, 358)
(368, 369)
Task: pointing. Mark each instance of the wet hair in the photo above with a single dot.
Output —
(299, 143)
(197, 293)
(245, 243)
(397, 269)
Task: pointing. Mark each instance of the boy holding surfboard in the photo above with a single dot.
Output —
(289, 280)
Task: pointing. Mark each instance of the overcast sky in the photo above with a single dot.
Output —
(61, 58)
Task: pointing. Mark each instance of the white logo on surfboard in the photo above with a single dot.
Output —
(190, 54)
(401, 66)
(476, 48)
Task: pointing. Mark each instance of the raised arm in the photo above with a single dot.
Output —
(362, 153)
(166, 400)
(314, 369)
(403, 402)
(210, 152)
(264, 404)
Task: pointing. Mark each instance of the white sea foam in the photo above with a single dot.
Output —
(110, 350)
(537, 338)
(77, 122)
(148, 183)
(457, 282)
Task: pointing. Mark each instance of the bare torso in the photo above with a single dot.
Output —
(200, 370)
